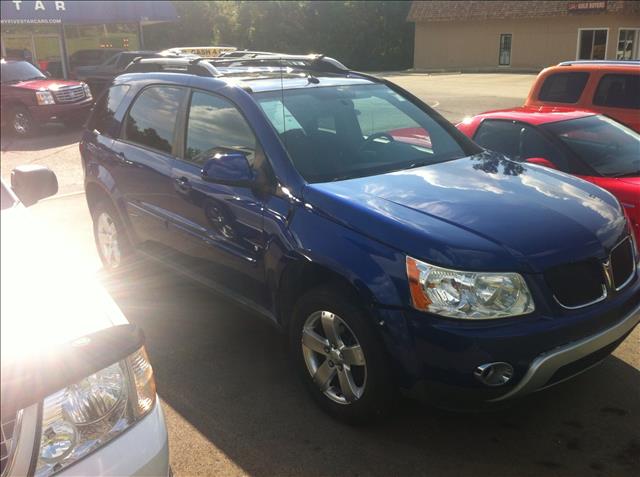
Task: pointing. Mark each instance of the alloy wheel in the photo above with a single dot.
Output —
(21, 123)
(334, 357)
(108, 240)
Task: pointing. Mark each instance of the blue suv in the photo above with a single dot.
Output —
(392, 251)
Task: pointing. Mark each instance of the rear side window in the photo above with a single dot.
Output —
(151, 121)
(618, 91)
(563, 87)
(215, 125)
(106, 108)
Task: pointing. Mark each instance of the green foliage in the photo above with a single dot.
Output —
(372, 35)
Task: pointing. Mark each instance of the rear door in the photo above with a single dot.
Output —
(145, 152)
(218, 229)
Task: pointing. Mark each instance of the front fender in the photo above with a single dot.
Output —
(374, 269)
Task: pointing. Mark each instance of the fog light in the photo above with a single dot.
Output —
(494, 374)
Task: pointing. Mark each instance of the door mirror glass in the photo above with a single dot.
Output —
(32, 183)
(230, 168)
(541, 161)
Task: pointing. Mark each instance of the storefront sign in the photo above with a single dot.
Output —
(85, 12)
(586, 6)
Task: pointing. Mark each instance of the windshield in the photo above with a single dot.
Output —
(340, 132)
(611, 149)
(19, 71)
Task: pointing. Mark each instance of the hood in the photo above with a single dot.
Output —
(48, 299)
(631, 180)
(41, 84)
(482, 212)
(85, 70)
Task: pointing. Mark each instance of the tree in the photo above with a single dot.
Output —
(363, 35)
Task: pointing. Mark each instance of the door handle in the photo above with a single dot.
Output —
(121, 158)
(183, 183)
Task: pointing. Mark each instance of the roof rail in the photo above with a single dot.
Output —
(601, 62)
(318, 63)
(213, 67)
(172, 65)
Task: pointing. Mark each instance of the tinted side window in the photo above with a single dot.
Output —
(105, 109)
(499, 136)
(214, 124)
(519, 142)
(563, 87)
(618, 91)
(151, 121)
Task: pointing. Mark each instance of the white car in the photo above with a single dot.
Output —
(78, 392)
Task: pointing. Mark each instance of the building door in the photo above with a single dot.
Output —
(43, 51)
(49, 54)
(592, 44)
(18, 48)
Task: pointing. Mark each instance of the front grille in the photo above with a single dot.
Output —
(69, 94)
(622, 263)
(576, 284)
(579, 284)
(8, 434)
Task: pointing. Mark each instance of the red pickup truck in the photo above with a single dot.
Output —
(30, 98)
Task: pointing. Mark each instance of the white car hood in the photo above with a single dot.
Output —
(47, 297)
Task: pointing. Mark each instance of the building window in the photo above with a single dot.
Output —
(504, 58)
(592, 44)
(628, 40)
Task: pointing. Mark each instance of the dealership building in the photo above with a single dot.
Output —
(522, 35)
(49, 32)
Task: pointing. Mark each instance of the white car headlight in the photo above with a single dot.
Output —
(44, 97)
(87, 90)
(467, 295)
(86, 415)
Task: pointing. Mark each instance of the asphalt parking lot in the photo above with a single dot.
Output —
(234, 407)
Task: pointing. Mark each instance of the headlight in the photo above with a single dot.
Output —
(87, 90)
(86, 415)
(44, 97)
(467, 295)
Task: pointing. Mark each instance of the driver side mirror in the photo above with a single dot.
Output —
(541, 161)
(230, 168)
(32, 183)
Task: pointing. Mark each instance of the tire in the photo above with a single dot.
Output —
(111, 238)
(367, 393)
(22, 123)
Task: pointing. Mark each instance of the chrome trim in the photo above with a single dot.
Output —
(597, 300)
(607, 271)
(633, 262)
(546, 364)
(11, 450)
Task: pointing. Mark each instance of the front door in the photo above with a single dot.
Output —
(218, 228)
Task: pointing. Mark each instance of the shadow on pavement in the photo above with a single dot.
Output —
(226, 372)
(48, 136)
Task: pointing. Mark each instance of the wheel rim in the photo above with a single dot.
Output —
(108, 241)
(21, 123)
(334, 357)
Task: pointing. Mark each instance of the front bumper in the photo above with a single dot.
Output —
(141, 450)
(435, 358)
(61, 112)
(545, 370)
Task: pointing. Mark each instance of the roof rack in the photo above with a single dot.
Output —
(317, 63)
(178, 64)
(203, 66)
(601, 62)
